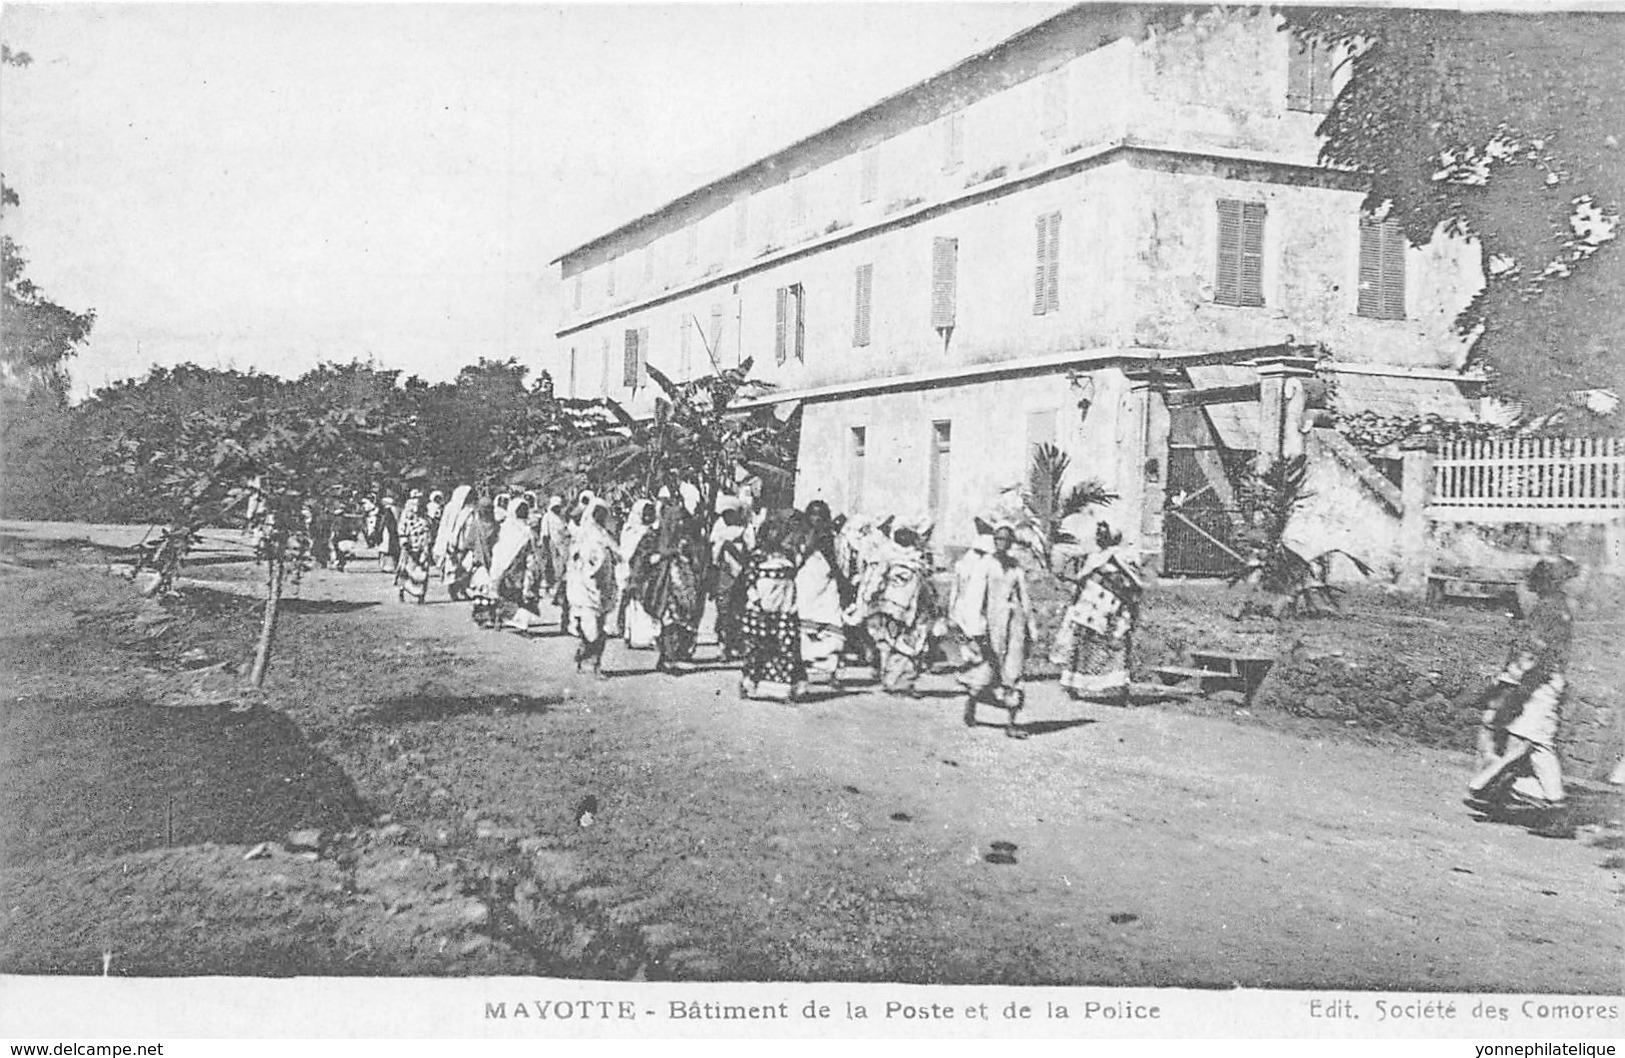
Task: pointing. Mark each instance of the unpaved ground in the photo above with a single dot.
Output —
(852, 837)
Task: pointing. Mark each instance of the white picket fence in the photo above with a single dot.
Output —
(1542, 476)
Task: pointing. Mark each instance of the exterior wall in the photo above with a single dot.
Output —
(989, 453)
(1310, 274)
(994, 303)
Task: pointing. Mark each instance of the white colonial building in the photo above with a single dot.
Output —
(1049, 242)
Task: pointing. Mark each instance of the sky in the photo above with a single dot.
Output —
(271, 186)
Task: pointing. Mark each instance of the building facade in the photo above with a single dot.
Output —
(1035, 246)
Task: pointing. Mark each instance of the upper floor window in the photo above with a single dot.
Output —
(1054, 103)
(953, 141)
(1309, 75)
(636, 357)
(609, 279)
(1240, 276)
(869, 175)
(714, 344)
(576, 296)
(945, 281)
(790, 324)
(1382, 269)
(1047, 275)
(863, 299)
(798, 200)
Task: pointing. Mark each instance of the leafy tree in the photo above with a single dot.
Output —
(697, 437)
(1503, 128)
(222, 447)
(36, 341)
(488, 423)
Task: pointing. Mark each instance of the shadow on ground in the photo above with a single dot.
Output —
(133, 776)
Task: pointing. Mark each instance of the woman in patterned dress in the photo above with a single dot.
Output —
(417, 543)
(769, 628)
(1097, 630)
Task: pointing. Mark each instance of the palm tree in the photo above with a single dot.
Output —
(1048, 503)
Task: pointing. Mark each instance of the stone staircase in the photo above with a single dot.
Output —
(1211, 671)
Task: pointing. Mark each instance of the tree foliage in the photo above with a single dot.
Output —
(698, 437)
(1504, 128)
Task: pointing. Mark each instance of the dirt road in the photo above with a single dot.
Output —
(859, 837)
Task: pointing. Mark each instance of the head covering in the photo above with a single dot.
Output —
(415, 494)
(437, 496)
(555, 502)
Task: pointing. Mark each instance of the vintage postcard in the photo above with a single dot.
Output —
(556, 522)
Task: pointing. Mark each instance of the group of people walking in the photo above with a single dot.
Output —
(795, 595)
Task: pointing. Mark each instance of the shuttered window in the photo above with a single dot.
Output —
(869, 178)
(685, 347)
(953, 141)
(716, 333)
(863, 297)
(944, 282)
(1239, 279)
(572, 389)
(1047, 271)
(1382, 269)
(631, 360)
(603, 381)
(1054, 104)
(854, 473)
(938, 472)
(798, 201)
(789, 323)
(1309, 76)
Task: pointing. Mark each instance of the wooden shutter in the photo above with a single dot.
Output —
(944, 282)
(953, 141)
(1370, 284)
(1299, 67)
(1041, 271)
(603, 382)
(1052, 257)
(1252, 253)
(643, 354)
(862, 296)
(1227, 277)
(1393, 271)
(629, 360)
(798, 295)
(869, 188)
(685, 347)
(1321, 65)
(572, 390)
(1054, 103)
(781, 317)
(716, 333)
